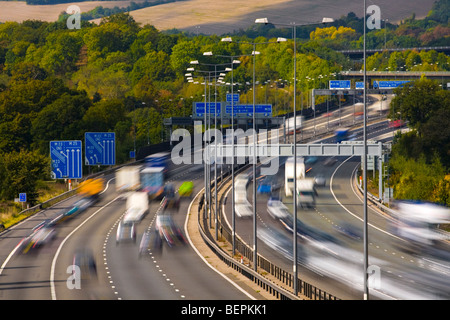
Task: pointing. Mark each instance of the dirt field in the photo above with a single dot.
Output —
(220, 17)
(20, 11)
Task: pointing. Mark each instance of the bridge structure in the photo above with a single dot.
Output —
(358, 54)
(443, 76)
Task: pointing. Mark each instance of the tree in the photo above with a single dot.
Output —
(415, 179)
(104, 115)
(416, 102)
(21, 172)
(60, 120)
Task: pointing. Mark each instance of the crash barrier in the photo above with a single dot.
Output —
(286, 278)
(379, 204)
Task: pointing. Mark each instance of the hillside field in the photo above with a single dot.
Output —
(220, 17)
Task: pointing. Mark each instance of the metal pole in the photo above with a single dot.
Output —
(215, 152)
(255, 253)
(209, 169)
(295, 167)
(366, 288)
(233, 216)
(205, 212)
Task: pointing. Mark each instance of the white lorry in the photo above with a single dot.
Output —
(242, 205)
(137, 208)
(289, 174)
(306, 192)
(128, 179)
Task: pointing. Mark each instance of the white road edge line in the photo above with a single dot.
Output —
(204, 260)
(52, 269)
(351, 213)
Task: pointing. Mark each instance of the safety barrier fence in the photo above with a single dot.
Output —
(286, 279)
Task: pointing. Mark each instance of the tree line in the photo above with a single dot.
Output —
(119, 76)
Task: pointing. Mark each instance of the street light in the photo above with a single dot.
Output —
(294, 30)
(196, 62)
(233, 214)
(254, 53)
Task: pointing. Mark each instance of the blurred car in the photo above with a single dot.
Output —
(169, 231)
(126, 231)
(265, 185)
(396, 123)
(276, 208)
(41, 236)
(310, 160)
(186, 189)
(243, 210)
(320, 180)
(85, 261)
(151, 240)
(330, 161)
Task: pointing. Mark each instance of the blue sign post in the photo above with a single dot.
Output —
(389, 84)
(233, 98)
(210, 108)
(340, 84)
(265, 109)
(67, 160)
(100, 148)
(22, 197)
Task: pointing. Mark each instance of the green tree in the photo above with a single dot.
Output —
(415, 179)
(21, 172)
(60, 120)
(416, 102)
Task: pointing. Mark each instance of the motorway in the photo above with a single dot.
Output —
(178, 273)
(330, 238)
(175, 273)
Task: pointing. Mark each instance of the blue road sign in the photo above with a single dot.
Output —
(359, 85)
(265, 109)
(132, 154)
(67, 159)
(100, 148)
(199, 108)
(340, 84)
(233, 97)
(389, 84)
(22, 197)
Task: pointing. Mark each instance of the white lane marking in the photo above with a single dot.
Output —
(351, 213)
(52, 269)
(17, 225)
(204, 260)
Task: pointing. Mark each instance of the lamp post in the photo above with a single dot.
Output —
(365, 267)
(254, 53)
(233, 213)
(294, 32)
(215, 139)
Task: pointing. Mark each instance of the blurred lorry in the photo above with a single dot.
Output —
(306, 192)
(91, 188)
(127, 179)
(289, 174)
(158, 160)
(341, 134)
(137, 208)
(242, 205)
(152, 182)
(289, 125)
(418, 222)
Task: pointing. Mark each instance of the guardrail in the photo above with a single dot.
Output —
(285, 278)
(391, 213)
